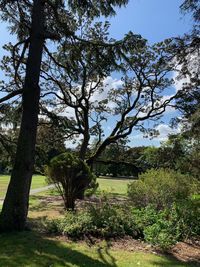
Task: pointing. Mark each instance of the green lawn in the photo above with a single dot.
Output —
(38, 181)
(33, 250)
(114, 186)
(108, 185)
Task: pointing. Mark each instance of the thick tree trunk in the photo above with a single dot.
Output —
(15, 207)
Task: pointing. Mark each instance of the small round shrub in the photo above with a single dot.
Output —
(72, 177)
(161, 188)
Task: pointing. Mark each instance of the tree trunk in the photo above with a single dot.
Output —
(69, 203)
(15, 208)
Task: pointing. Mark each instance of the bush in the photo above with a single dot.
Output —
(166, 227)
(162, 228)
(161, 188)
(102, 221)
(71, 176)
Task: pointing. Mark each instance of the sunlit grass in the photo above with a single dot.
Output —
(37, 182)
(113, 185)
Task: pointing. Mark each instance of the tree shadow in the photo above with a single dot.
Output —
(105, 256)
(43, 203)
(30, 249)
(172, 261)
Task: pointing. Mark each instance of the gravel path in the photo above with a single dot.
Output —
(35, 191)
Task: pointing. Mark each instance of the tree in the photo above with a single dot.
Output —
(45, 23)
(15, 207)
(187, 50)
(49, 143)
(138, 98)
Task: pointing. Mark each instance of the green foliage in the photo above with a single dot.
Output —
(71, 176)
(161, 228)
(104, 220)
(161, 188)
(166, 227)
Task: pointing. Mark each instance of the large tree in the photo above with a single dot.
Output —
(34, 22)
(139, 97)
(15, 207)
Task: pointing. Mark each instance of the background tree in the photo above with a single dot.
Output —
(138, 98)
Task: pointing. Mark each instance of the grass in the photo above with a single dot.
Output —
(37, 182)
(29, 249)
(114, 186)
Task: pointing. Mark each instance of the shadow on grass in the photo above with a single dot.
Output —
(30, 249)
(34, 250)
(173, 262)
(104, 253)
(43, 203)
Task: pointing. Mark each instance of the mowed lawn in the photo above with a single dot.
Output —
(37, 182)
(116, 186)
(29, 249)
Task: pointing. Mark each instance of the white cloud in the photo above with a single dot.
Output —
(165, 130)
(108, 84)
(179, 82)
(137, 139)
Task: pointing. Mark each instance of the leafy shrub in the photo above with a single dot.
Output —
(73, 224)
(111, 220)
(166, 227)
(159, 227)
(71, 176)
(161, 188)
(104, 220)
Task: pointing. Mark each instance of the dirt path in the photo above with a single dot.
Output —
(35, 191)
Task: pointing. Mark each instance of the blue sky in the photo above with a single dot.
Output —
(155, 20)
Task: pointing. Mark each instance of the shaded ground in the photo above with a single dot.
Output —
(37, 250)
(52, 207)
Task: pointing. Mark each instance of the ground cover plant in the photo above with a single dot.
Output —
(162, 228)
(60, 253)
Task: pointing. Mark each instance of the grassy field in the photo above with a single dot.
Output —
(115, 186)
(29, 249)
(38, 181)
(108, 185)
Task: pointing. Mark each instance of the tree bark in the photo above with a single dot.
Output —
(69, 203)
(15, 208)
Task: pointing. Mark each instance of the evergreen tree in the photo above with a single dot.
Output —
(34, 22)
